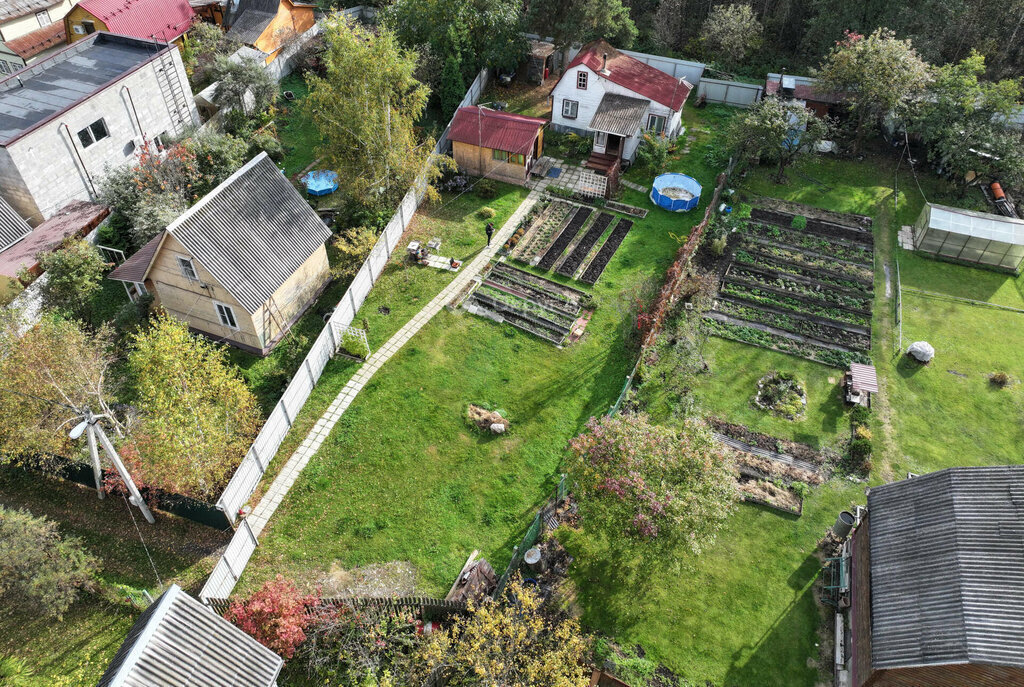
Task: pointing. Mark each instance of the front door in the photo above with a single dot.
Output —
(614, 145)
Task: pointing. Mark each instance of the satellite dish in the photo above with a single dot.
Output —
(79, 428)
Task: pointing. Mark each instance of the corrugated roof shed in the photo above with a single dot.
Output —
(479, 126)
(77, 218)
(865, 378)
(251, 233)
(633, 74)
(947, 551)
(178, 641)
(52, 86)
(163, 20)
(13, 227)
(619, 114)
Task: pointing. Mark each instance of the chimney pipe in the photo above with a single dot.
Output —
(604, 64)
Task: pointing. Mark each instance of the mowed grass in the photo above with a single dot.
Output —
(403, 476)
(296, 131)
(74, 651)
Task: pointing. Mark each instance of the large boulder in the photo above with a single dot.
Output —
(922, 351)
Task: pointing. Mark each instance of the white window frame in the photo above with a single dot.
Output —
(87, 136)
(187, 268)
(650, 123)
(43, 18)
(573, 106)
(600, 139)
(581, 80)
(226, 312)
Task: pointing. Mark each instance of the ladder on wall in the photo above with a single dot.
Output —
(271, 316)
(175, 96)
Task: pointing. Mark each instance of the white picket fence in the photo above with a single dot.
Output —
(273, 432)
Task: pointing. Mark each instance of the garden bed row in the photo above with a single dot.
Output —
(540, 232)
(563, 239)
(851, 251)
(812, 329)
(819, 227)
(800, 288)
(785, 344)
(777, 496)
(509, 281)
(582, 250)
(767, 442)
(770, 296)
(566, 293)
(611, 244)
(803, 262)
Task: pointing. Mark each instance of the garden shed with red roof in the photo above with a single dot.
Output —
(497, 145)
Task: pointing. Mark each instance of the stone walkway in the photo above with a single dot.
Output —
(261, 515)
(635, 187)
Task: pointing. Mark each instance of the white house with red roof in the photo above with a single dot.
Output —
(615, 98)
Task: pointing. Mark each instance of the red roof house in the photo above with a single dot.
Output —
(163, 20)
(632, 74)
(499, 145)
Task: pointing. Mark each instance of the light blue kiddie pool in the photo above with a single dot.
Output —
(675, 192)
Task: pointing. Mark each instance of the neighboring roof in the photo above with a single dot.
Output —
(252, 17)
(134, 268)
(179, 641)
(804, 88)
(486, 128)
(947, 550)
(13, 227)
(162, 20)
(633, 74)
(44, 90)
(619, 114)
(864, 378)
(251, 233)
(541, 48)
(980, 224)
(34, 42)
(75, 218)
(12, 9)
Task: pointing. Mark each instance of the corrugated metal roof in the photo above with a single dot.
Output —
(865, 378)
(51, 86)
(979, 224)
(163, 20)
(12, 9)
(479, 126)
(252, 232)
(633, 74)
(13, 227)
(34, 42)
(178, 641)
(619, 114)
(947, 551)
(134, 269)
(249, 26)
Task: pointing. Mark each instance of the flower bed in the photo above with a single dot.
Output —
(611, 244)
(781, 393)
(568, 234)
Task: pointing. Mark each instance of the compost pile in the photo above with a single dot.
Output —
(487, 420)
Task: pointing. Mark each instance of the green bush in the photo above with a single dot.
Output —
(652, 154)
(264, 141)
(131, 316)
(486, 189)
(801, 489)
(860, 448)
(486, 212)
(799, 222)
(860, 415)
(354, 345)
(743, 210)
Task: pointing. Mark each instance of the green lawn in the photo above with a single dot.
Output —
(74, 651)
(296, 132)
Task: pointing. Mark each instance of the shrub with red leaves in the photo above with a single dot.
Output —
(275, 615)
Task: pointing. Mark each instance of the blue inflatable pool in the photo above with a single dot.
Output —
(675, 192)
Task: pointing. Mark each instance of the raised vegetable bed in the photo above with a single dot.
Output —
(845, 250)
(572, 262)
(604, 256)
(565, 238)
(543, 228)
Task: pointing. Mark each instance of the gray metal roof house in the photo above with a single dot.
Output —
(937, 584)
(242, 264)
(179, 642)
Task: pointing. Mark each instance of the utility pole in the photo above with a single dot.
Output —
(94, 433)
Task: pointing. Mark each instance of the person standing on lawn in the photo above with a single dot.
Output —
(490, 231)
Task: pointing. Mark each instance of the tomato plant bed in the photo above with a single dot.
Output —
(783, 344)
(788, 238)
(568, 234)
(575, 258)
(604, 256)
(796, 324)
(777, 297)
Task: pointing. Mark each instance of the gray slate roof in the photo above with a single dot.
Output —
(12, 227)
(179, 642)
(619, 114)
(947, 551)
(250, 25)
(252, 232)
(12, 9)
(51, 86)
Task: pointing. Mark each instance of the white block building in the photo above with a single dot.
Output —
(616, 98)
(68, 118)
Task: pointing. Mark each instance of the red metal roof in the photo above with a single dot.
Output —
(633, 74)
(803, 92)
(864, 377)
(33, 43)
(479, 126)
(163, 20)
